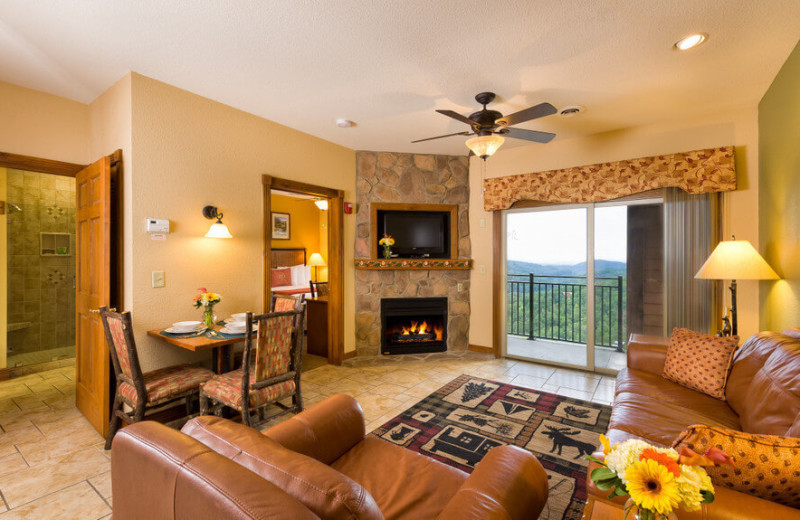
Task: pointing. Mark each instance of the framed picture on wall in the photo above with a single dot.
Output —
(280, 226)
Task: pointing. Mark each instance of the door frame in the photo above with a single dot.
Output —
(335, 200)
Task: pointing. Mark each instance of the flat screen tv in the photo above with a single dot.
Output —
(417, 234)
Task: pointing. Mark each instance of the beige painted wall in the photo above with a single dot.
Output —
(739, 128)
(43, 125)
(110, 121)
(3, 273)
(189, 152)
(779, 182)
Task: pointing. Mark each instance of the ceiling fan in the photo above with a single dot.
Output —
(489, 126)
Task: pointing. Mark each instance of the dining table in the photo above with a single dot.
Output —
(219, 343)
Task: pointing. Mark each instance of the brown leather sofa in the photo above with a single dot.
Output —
(762, 396)
(318, 464)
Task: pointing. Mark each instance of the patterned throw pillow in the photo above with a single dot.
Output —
(281, 277)
(699, 361)
(767, 466)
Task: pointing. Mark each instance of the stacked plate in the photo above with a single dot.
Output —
(236, 324)
(186, 327)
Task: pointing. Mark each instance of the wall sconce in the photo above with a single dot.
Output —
(217, 229)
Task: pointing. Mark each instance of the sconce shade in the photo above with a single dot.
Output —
(316, 260)
(321, 204)
(485, 145)
(217, 229)
(736, 260)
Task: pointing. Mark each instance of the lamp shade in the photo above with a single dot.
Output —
(485, 145)
(316, 260)
(218, 230)
(736, 260)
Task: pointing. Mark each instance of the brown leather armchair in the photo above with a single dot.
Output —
(318, 464)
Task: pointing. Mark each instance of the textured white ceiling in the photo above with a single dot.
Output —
(387, 64)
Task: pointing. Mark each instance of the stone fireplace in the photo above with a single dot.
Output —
(411, 179)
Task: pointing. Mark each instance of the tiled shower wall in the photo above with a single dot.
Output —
(41, 295)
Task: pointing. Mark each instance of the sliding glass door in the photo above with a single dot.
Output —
(580, 278)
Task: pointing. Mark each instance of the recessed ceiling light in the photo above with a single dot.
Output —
(344, 123)
(690, 42)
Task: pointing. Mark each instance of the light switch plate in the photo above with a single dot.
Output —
(459, 287)
(483, 269)
(158, 279)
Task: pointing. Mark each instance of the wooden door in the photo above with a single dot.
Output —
(93, 290)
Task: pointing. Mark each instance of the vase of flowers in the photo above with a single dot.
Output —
(207, 300)
(387, 242)
(658, 480)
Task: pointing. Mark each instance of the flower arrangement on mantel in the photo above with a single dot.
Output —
(387, 242)
(207, 300)
(658, 480)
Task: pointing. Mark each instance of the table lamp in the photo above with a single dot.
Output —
(735, 260)
(317, 261)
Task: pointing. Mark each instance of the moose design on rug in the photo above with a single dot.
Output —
(563, 441)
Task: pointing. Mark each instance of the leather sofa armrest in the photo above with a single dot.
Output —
(326, 431)
(509, 483)
(157, 472)
(647, 353)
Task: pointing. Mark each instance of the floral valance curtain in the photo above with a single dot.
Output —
(699, 171)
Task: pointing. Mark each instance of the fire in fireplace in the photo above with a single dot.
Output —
(413, 325)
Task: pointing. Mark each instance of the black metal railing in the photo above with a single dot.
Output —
(554, 307)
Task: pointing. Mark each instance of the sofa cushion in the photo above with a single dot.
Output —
(767, 466)
(764, 385)
(405, 484)
(700, 361)
(650, 407)
(322, 489)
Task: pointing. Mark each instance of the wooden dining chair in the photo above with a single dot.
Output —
(319, 289)
(143, 391)
(273, 375)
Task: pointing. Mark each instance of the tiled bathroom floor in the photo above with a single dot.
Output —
(52, 462)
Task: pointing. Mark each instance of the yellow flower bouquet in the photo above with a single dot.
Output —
(658, 480)
(387, 242)
(207, 300)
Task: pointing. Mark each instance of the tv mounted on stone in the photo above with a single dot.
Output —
(417, 234)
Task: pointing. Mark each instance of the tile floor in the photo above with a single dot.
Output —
(53, 466)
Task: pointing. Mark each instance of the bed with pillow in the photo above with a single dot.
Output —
(290, 274)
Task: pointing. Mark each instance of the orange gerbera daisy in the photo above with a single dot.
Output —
(663, 459)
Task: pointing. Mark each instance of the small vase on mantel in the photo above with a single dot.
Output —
(633, 512)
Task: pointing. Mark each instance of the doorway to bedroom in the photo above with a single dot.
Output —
(303, 257)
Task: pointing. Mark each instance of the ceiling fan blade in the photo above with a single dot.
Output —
(466, 132)
(529, 135)
(540, 110)
(457, 116)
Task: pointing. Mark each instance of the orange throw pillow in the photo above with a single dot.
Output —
(767, 466)
(700, 361)
(281, 277)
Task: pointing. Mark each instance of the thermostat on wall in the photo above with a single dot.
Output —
(157, 225)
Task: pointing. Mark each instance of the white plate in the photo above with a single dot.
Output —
(187, 326)
(239, 316)
(226, 330)
(198, 330)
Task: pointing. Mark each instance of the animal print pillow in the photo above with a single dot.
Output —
(699, 361)
(767, 466)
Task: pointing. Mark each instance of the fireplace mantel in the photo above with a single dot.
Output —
(383, 264)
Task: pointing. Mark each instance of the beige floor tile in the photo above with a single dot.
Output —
(529, 369)
(64, 423)
(52, 448)
(32, 483)
(604, 393)
(324, 375)
(23, 434)
(77, 501)
(41, 386)
(388, 389)
(8, 405)
(376, 405)
(571, 392)
(9, 391)
(404, 378)
(343, 386)
(102, 483)
(533, 382)
(424, 389)
(30, 402)
(11, 463)
(575, 380)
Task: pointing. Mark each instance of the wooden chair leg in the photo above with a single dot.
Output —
(189, 404)
(203, 403)
(246, 420)
(297, 398)
(113, 427)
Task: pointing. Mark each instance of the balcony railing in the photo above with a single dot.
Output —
(554, 308)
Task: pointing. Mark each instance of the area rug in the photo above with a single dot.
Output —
(467, 417)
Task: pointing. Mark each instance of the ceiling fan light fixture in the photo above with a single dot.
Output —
(485, 146)
(690, 42)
